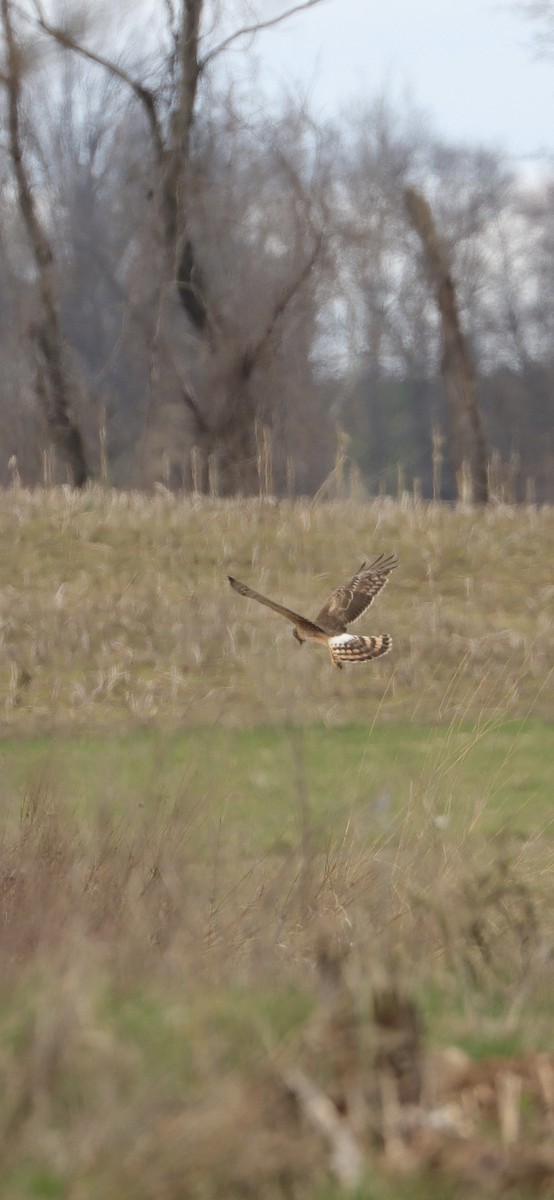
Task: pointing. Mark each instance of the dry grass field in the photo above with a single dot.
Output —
(116, 611)
(268, 929)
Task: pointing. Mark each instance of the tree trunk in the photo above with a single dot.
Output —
(224, 430)
(467, 440)
(64, 431)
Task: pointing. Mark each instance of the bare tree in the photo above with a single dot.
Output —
(229, 281)
(216, 384)
(467, 441)
(382, 318)
(54, 383)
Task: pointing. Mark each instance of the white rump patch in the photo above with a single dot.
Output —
(343, 639)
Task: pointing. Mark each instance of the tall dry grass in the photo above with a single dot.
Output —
(183, 1027)
(115, 608)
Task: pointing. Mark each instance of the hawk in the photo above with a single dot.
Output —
(343, 607)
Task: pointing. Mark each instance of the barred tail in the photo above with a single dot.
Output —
(347, 647)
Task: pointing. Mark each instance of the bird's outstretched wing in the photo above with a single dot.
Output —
(346, 647)
(351, 599)
(244, 590)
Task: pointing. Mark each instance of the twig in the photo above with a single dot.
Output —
(347, 1161)
(254, 28)
(146, 97)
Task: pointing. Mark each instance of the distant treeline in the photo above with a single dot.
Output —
(398, 435)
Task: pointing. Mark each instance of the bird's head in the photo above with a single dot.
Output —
(296, 634)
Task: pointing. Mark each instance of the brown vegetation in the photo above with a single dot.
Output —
(181, 1029)
(115, 608)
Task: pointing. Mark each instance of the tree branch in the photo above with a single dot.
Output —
(141, 320)
(146, 97)
(252, 355)
(254, 28)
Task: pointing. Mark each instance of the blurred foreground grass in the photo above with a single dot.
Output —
(257, 786)
(228, 872)
(187, 979)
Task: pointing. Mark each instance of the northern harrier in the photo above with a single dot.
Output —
(343, 607)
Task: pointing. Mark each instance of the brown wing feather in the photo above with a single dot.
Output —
(244, 590)
(352, 598)
(349, 648)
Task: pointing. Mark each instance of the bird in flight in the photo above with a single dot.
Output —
(343, 607)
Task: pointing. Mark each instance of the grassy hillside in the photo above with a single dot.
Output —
(116, 611)
(269, 929)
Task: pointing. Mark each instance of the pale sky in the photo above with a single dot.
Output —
(470, 65)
